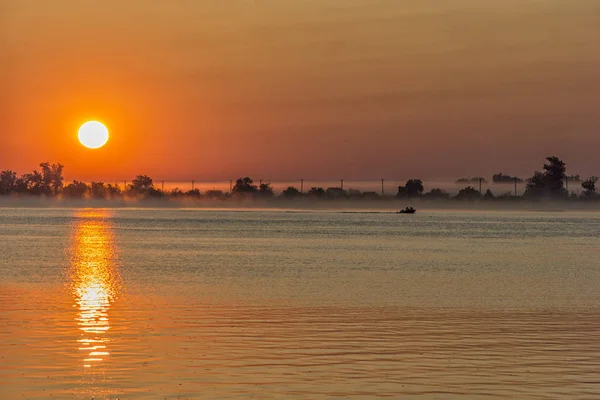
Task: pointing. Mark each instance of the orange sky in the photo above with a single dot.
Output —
(216, 89)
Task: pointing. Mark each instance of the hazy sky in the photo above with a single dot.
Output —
(318, 89)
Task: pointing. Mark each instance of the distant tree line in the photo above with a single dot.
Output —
(503, 178)
(550, 182)
(475, 179)
(48, 180)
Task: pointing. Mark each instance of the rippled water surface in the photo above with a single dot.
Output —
(155, 304)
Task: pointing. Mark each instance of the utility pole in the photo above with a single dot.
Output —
(301, 186)
(515, 186)
(382, 191)
(163, 186)
(342, 184)
(230, 186)
(480, 185)
(193, 182)
(567, 184)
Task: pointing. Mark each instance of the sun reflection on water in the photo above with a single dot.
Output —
(94, 282)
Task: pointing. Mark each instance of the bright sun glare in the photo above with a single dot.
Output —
(93, 134)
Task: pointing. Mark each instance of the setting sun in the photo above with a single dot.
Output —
(93, 134)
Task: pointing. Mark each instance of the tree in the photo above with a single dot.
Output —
(34, 183)
(488, 195)
(475, 179)
(177, 193)
(215, 194)
(8, 181)
(335, 193)
(98, 190)
(77, 189)
(502, 178)
(468, 193)
(550, 182)
(290, 193)
(52, 177)
(142, 184)
(412, 188)
(436, 193)
(265, 189)
(244, 186)
(354, 193)
(193, 193)
(113, 190)
(589, 186)
(318, 192)
(21, 186)
(556, 171)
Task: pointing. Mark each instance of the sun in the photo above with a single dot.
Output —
(93, 135)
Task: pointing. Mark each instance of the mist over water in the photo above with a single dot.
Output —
(155, 303)
(390, 187)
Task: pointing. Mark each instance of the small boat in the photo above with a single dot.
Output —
(407, 210)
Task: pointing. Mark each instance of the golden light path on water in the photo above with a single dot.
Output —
(94, 282)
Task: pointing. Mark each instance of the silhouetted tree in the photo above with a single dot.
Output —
(354, 193)
(193, 193)
(335, 193)
(550, 182)
(488, 195)
(98, 190)
(436, 194)
(52, 177)
(536, 185)
(244, 185)
(468, 193)
(35, 183)
(471, 180)
(153, 192)
(589, 186)
(76, 189)
(290, 193)
(21, 185)
(177, 193)
(318, 192)
(141, 185)
(113, 190)
(48, 181)
(215, 194)
(412, 188)
(8, 182)
(265, 189)
(502, 178)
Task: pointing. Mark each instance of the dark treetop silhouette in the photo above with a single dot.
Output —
(502, 178)
(550, 183)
